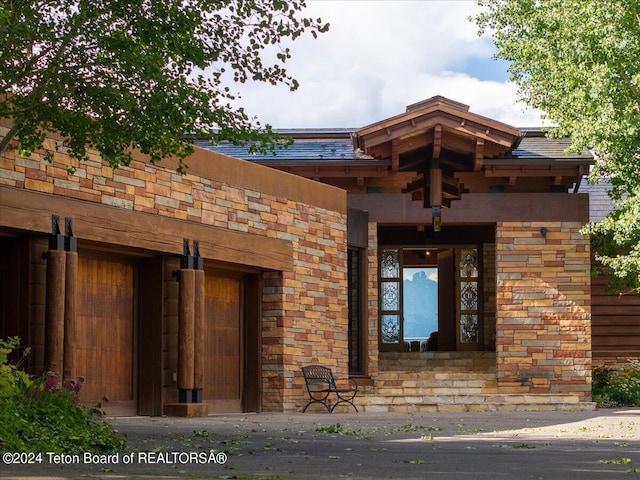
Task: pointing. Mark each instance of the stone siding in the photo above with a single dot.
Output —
(304, 310)
(543, 318)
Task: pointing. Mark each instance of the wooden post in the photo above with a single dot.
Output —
(71, 282)
(54, 311)
(435, 187)
(186, 306)
(199, 324)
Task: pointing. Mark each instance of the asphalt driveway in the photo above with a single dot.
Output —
(600, 444)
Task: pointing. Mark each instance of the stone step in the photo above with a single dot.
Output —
(471, 403)
(440, 389)
(436, 376)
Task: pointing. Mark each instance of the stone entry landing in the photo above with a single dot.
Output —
(450, 382)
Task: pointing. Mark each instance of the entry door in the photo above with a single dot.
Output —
(223, 344)
(446, 302)
(105, 334)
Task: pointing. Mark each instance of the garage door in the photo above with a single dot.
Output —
(105, 333)
(223, 340)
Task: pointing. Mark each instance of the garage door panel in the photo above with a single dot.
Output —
(105, 332)
(223, 337)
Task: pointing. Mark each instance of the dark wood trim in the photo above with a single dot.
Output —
(31, 211)
(614, 322)
(252, 392)
(149, 311)
(464, 122)
(476, 208)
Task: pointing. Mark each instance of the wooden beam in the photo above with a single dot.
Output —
(31, 211)
(435, 187)
(186, 325)
(475, 126)
(199, 325)
(70, 310)
(415, 141)
(339, 171)
(417, 184)
(54, 311)
(479, 158)
(451, 187)
(452, 140)
(437, 141)
(477, 208)
(395, 155)
(531, 171)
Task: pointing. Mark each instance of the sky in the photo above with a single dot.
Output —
(380, 56)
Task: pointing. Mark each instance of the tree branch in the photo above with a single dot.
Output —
(13, 131)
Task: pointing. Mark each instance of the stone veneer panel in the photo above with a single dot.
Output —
(543, 318)
(305, 310)
(489, 292)
(372, 299)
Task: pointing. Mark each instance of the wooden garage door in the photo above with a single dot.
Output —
(223, 344)
(105, 333)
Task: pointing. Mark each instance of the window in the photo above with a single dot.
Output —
(468, 289)
(357, 327)
(419, 303)
(390, 291)
(429, 299)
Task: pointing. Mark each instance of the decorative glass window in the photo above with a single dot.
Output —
(430, 298)
(390, 297)
(468, 327)
(390, 328)
(390, 265)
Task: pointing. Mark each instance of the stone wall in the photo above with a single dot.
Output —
(304, 310)
(372, 300)
(489, 295)
(543, 318)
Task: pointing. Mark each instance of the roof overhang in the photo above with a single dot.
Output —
(439, 124)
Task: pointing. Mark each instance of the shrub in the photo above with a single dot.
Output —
(38, 419)
(617, 386)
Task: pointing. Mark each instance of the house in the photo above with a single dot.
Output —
(169, 292)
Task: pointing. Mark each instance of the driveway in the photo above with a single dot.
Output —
(600, 444)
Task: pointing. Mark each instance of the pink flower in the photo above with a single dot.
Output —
(78, 386)
(51, 382)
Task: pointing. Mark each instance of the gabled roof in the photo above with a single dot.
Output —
(422, 117)
(436, 128)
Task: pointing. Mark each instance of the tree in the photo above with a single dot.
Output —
(577, 60)
(120, 74)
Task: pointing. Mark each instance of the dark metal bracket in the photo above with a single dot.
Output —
(56, 239)
(70, 242)
(189, 261)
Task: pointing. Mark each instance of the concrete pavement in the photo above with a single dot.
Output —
(600, 444)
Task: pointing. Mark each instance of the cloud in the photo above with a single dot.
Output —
(380, 56)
